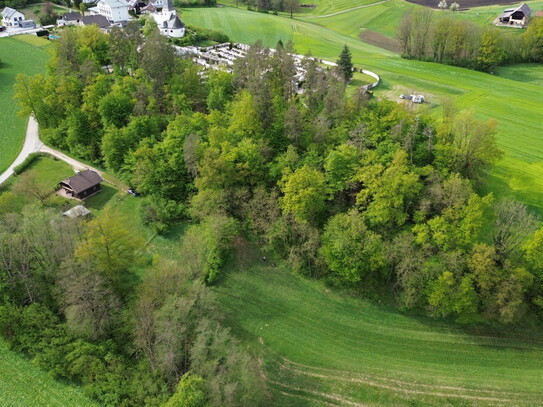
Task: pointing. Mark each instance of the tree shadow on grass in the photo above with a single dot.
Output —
(100, 200)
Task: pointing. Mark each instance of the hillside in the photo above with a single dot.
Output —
(516, 104)
(321, 347)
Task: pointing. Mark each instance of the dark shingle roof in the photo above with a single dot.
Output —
(98, 19)
(175, 23)
(83, 181)
(73, 16)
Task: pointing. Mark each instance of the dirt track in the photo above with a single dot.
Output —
(464, 4)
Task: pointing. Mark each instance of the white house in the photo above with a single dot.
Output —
(12, 17)
(114, 10)
(168, 22)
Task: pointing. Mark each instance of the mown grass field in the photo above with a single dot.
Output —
(321, 348)
(514, 102)
(24, 385)
(19, 54)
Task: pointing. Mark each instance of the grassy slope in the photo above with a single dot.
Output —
(16, 56)
(23, 385)
(322, 347)
(516, 105)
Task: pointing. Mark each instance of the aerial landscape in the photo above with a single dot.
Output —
(271, 203)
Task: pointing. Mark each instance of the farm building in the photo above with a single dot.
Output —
(83, 184)
(514, 17)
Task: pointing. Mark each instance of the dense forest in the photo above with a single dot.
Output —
(428, 36)
(362, 193)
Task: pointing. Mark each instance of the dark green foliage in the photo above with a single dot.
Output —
(345, 63)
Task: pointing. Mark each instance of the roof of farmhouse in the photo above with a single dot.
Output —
(83, 181)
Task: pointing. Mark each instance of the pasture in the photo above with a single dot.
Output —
(25, 385)
(323, 348)
(513, 102)
(18, 54)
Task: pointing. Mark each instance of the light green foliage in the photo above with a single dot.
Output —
(447, 296)
(190, 392)
(304, 193)
(110, 245)
(491, 52)
(206, 246)
(115, 108)
(340, 166)
(457, 227)
(220, 90)
(388, 193)
(350, 249)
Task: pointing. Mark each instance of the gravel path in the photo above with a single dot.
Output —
(33, 144)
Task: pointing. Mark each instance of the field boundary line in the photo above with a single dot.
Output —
(346, 11)
(329, 396)
(399, 388)
(301, 368)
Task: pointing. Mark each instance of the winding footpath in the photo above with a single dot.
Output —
(33, 144)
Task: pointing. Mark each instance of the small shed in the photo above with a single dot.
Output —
(83, 184)
(78, 211)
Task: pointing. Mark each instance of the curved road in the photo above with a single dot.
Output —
(33, 144)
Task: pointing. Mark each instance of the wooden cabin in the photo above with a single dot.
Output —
(83, 184)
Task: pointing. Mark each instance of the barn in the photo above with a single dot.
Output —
(83, 184)
(515, 17)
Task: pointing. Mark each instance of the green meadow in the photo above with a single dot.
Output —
(322, 348)
(512, 96)
(23, 384)
(19, 54)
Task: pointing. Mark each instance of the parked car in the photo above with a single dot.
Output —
(132, 192)
(2, 28)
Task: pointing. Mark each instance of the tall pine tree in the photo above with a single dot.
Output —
(345, 63)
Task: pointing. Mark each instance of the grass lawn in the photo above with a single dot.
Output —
(25, 385)
(17, 55)
(322, 348)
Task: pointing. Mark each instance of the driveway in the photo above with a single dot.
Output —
(32, 144)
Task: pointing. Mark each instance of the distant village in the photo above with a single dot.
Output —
(105, 14)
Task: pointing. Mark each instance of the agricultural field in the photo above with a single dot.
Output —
(19, 54)
(323, 348)
(514, 103)
(25, 385)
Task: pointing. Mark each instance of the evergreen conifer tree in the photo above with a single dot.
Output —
(345, 64)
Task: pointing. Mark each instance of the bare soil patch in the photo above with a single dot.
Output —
(464, 4)
(380, 40)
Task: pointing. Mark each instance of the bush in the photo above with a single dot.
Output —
(160, 213)
(26, 163)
